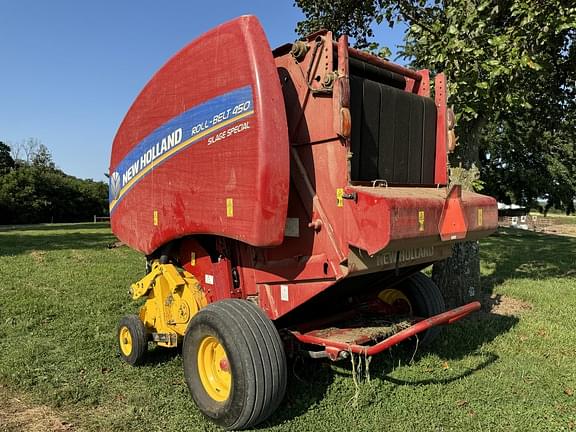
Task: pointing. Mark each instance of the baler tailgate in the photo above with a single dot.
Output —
(339, 341)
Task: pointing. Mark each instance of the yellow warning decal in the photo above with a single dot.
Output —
(340, 197)
(480, 216)
(229, 207)
(155, 217)
(421, 218)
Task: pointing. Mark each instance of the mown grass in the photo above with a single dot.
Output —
(63, 291)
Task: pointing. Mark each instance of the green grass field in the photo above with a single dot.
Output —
(63, 291)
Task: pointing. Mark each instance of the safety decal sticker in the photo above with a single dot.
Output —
(179, 133)
(340, 197)
(284, 293)
(229, 207)
(421, 219)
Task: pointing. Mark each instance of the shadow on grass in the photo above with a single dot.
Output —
(458, 341)
(308, 382)
(159, 355)
(22, 241)
(486, 360)
(518, 254)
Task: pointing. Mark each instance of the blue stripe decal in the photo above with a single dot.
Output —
(177, 134)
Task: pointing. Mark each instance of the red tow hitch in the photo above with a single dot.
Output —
(339, 342)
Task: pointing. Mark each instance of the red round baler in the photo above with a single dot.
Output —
(286, 201)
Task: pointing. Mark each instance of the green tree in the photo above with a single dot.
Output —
(531, 159)
(41, 157)
(6, 161)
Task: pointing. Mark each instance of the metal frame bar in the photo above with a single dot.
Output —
(441, 100)
(385, 64)
(334, 348)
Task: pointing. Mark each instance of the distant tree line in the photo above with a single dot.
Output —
(34, 190)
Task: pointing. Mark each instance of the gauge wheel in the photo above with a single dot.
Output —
(132, 339)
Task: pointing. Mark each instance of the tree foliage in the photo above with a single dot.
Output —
(353, 18)
(42, 158)
(34, 190)
(511, 66)
(6, 161)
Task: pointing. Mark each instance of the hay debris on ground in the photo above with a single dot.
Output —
(504, 305)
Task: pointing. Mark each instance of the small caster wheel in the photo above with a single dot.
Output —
(132, 339)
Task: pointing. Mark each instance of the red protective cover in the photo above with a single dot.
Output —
(204, 147)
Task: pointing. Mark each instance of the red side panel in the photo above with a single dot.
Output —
(403, 217)
(204, 148)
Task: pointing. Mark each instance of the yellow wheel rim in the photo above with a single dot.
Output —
(393, 296)
(214, 369)
(125, 341)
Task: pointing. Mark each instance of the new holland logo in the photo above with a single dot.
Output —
(115, 185)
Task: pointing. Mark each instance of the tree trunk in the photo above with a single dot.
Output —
(468, 150)
(458, 277)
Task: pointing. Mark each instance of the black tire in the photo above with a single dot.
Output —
(138, 336)
(255, 358)
(426, 300)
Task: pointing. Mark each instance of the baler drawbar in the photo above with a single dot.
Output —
(286, 202)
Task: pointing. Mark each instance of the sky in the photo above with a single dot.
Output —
(70, 69)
